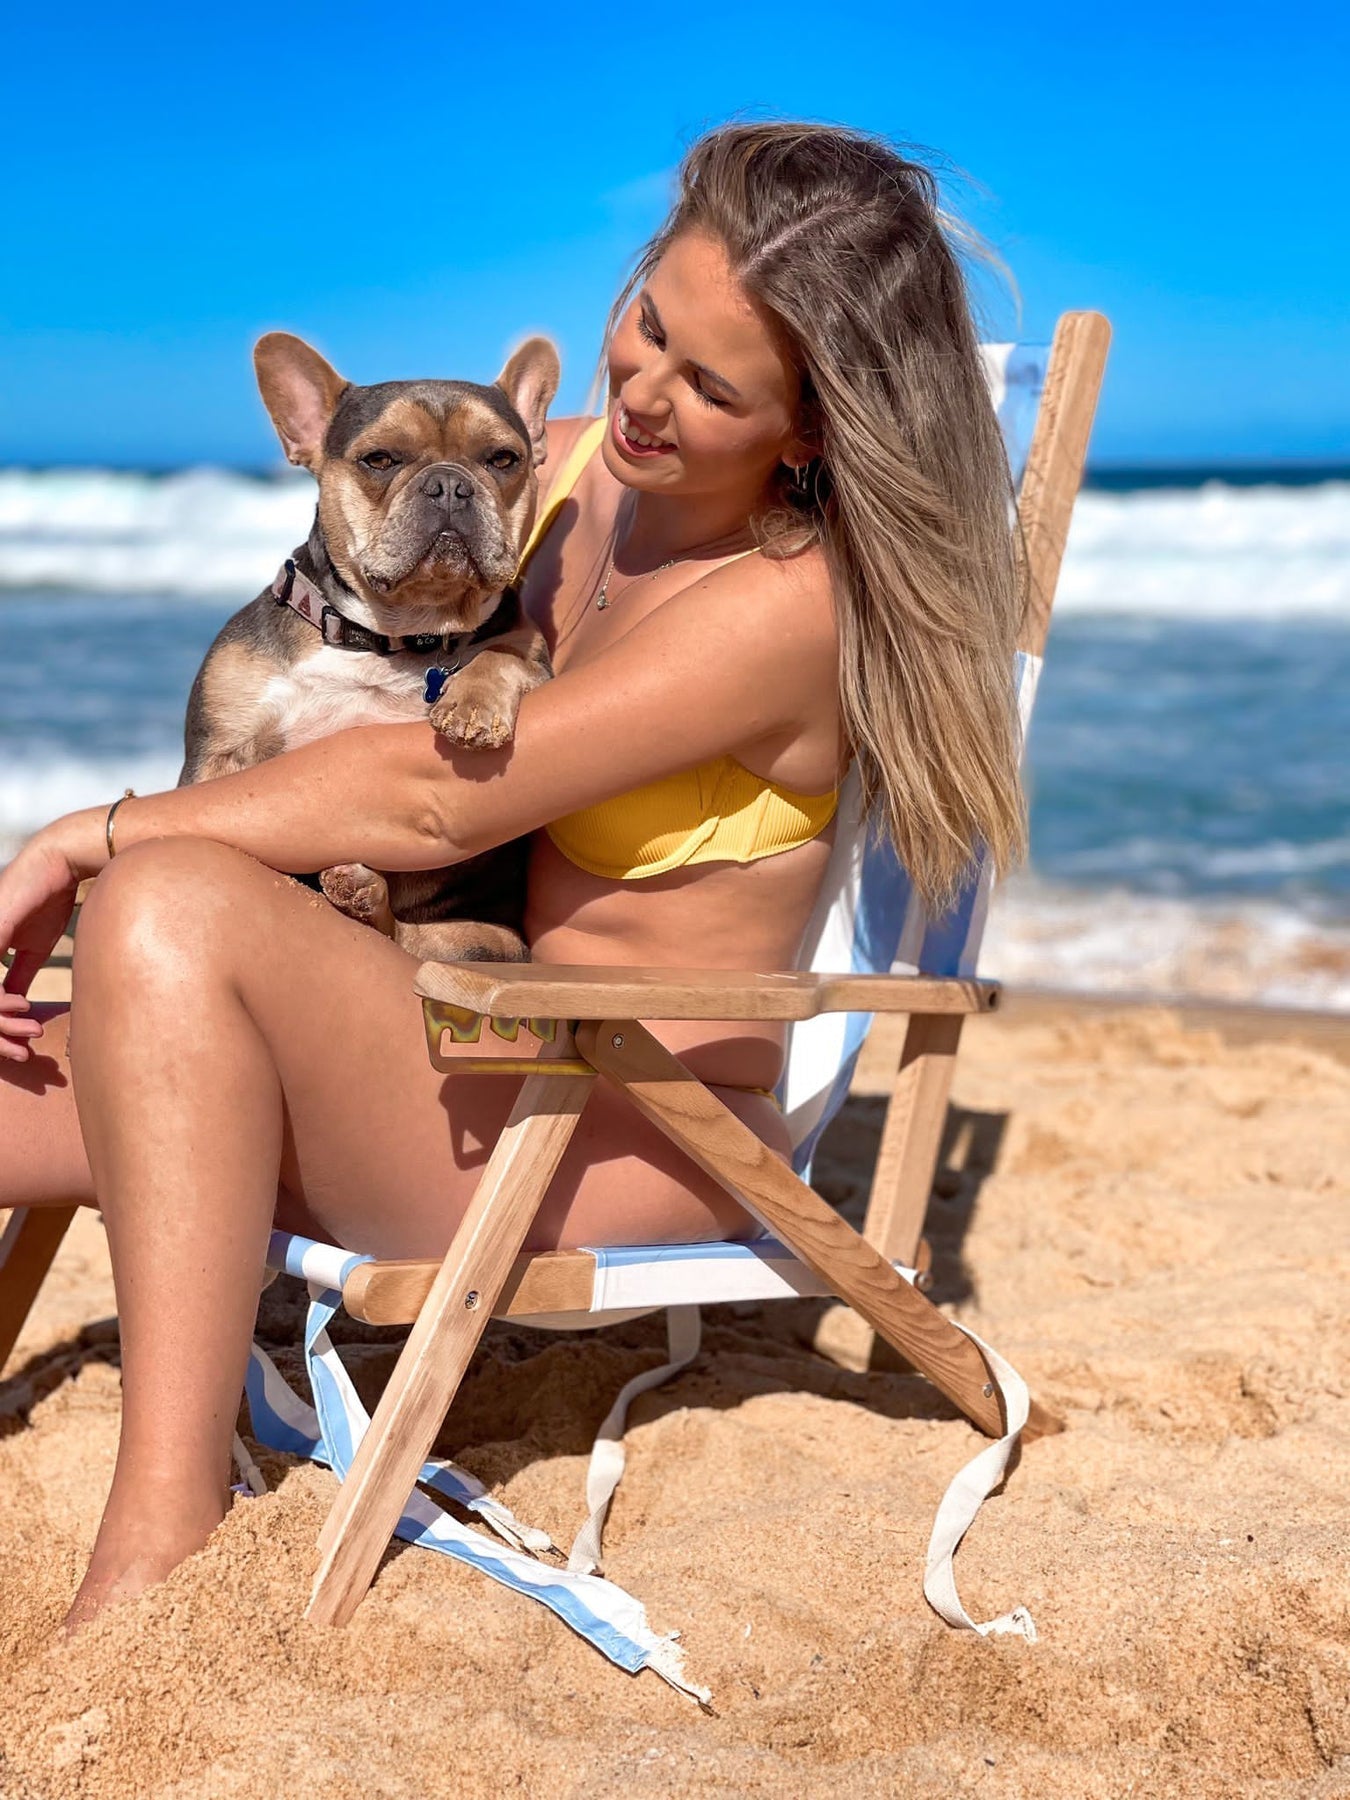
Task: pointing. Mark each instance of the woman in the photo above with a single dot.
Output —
(791, 549)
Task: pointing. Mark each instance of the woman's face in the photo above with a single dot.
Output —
(697, 366)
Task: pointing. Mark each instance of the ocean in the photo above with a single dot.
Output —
(1187, 764)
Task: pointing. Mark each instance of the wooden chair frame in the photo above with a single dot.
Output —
(591, 1021)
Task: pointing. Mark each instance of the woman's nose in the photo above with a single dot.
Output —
(644, 392)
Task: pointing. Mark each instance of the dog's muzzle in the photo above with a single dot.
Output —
(448, 488)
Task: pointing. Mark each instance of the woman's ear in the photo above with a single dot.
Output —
(300, 391)
(807, 439)
(529, 381)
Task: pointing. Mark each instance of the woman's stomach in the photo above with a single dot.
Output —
(715, 916)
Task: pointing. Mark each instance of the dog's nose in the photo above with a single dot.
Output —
(447, 485)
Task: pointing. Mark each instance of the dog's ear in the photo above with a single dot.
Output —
(299, 390)
(529, 381)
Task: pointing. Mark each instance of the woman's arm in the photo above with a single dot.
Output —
(722, 667)
(743, 658)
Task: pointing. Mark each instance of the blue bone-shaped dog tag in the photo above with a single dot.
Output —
(436, 680)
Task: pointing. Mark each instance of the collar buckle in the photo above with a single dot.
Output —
(282, 590)
(332, 626)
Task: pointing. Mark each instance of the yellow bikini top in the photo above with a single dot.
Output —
(717, 812)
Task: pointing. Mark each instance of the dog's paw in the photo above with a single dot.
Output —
(478, 719)
(360, 893)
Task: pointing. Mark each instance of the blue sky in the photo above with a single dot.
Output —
(413, 187)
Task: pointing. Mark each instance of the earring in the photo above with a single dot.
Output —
(801, 481)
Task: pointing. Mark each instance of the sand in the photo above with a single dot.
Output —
(1147, 1217)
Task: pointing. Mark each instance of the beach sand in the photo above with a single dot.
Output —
(1145, 1212)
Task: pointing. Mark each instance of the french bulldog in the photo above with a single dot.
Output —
(399, 605)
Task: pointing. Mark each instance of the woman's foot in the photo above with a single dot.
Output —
(132, 1556)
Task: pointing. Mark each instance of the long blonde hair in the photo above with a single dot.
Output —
(844, 242)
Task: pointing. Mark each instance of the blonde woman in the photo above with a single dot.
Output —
(785, 546)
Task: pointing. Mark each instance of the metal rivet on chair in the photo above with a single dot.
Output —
(988, 1386)
(617, 1041)
(472, 1299)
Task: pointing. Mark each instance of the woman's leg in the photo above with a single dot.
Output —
(181, 1113)
(42, 1159)
(227, 1025)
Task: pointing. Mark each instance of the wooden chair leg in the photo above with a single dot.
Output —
(664, 1091)
(442, 1341)
(902, 1183)
(31, 1239)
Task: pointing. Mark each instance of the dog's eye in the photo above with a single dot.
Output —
(380, 461)
(502, 459)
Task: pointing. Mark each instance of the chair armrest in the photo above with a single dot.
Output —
(580, 991)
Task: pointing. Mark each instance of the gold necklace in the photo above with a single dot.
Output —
(602, 599)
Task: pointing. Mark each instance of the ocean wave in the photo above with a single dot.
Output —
(1112, 940)
(1194, 862)
(1214, 552)
(33, 792)
(200, 532)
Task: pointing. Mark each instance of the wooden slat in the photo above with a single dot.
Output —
(550, 1281)
(1055, 462)
(902, 1182)
(563, 991)
(31, 1239)
(441, 1343)
(664, 1091)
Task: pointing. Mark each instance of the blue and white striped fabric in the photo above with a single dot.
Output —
(329, 1432)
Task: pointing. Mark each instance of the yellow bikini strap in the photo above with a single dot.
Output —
(573, 463)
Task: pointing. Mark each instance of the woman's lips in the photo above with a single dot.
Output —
(638, 452)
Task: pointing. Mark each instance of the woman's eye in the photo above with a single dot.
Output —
(380, 461)
(645, 330)
(502, 459)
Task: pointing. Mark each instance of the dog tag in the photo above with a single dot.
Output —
(436, 680)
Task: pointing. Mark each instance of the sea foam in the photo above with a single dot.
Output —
(1211, 552)
(1111, 940)
(200, 532)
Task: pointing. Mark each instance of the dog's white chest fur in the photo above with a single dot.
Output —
(335, 688)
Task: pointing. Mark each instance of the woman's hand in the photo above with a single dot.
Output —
(37, 896)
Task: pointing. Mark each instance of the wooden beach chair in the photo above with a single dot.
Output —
(591, 1024)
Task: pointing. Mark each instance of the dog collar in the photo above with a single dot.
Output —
(294, 589)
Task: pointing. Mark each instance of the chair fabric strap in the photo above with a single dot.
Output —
(329, 1433)
(966, 1493)
(614, 1621)
(608, 1456)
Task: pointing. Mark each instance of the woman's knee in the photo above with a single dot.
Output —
(166, 900)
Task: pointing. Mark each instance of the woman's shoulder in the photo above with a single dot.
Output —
(561, 437)
(792, 589)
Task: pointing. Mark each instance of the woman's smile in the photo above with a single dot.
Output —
(632, 440)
